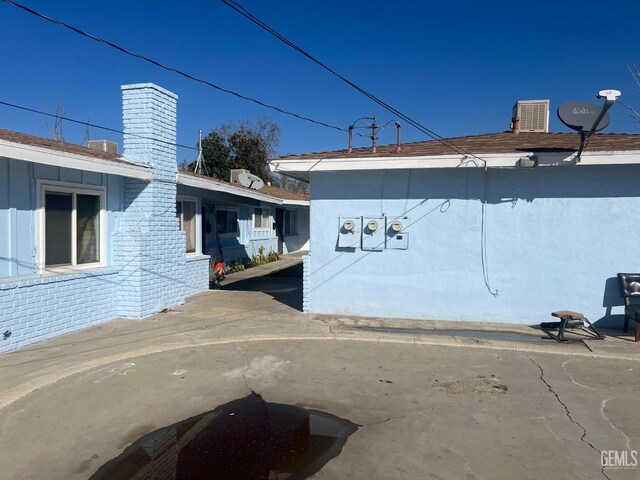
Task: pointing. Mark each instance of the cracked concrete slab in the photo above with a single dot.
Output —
(71, 404)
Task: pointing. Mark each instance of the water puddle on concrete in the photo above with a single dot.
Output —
(246, 439)
(509, 336)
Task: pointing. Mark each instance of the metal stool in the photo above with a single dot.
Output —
(569, 319)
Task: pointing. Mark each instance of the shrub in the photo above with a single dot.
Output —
(261, 258)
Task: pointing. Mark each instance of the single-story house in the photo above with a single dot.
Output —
(235, 222)
(87, 235)
(510, 231)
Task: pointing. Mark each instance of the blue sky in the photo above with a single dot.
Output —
(457, 67)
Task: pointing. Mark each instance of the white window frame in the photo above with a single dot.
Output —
(294, 227)
(44, 186)
(198, 220)
(269, 226)
(215, 222)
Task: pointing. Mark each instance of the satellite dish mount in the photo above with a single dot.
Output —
(585, 118)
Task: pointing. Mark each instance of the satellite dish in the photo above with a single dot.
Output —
(250, 181)
(581, 116)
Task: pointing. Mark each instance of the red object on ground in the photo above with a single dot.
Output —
(218, 268)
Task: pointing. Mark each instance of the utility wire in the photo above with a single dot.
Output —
(81, 122)
(169, 68)
(248, 15)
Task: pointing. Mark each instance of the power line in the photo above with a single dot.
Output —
(101, 127)
(169, 68)
(248, 15)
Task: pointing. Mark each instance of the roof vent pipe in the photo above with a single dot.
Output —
(398, 127)
(350, 139)
(515, 125)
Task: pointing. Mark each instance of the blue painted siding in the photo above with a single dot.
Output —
(248, 240)
(19, 201)
(147, 268)
(555, 239)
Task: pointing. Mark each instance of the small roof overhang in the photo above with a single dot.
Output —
(211, 184)
(46, 156)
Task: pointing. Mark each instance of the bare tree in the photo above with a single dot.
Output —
(635, 74)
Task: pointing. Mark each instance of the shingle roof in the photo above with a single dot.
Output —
(267, 189)
(283, 194)
(32, 140)
(504, 142)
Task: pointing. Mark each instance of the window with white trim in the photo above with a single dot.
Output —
(290, 222)
(226, 222)
(72, 226)
(262, 218)
(186, 213)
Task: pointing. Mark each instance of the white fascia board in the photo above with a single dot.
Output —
(46, 156)
(627, 157)
(610, 158)
(295, 203)
(502, 160)
(393, 163)
(212, 185)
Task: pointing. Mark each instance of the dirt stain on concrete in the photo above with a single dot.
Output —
(478, 384)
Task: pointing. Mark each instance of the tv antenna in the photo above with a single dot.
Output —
(250, 180)
(199, 166)
(586, 117)
(369, 123)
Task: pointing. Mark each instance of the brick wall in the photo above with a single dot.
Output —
(39, 307)
(150, 247)
(148, 267)
(306, 277)
(196, 275)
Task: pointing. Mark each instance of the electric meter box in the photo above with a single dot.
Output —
(349, 232)
(397, 236)
(373, 236)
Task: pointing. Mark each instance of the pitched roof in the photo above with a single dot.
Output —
(30, 148)
(32, 140)
(266, 190)
(504, 142)
(283, 194)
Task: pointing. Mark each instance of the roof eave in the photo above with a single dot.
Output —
(47, 156)
(212, 185)
(301, 167)
(295, 203)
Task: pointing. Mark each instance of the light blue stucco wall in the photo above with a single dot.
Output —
(555, 238)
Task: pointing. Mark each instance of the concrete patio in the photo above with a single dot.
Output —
(428, 405)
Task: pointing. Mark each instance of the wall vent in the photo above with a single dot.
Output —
(104, 146)
(533, 115)
(235, 172)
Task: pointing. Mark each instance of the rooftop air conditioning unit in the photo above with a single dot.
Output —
(104, 146)
(533, 115)
(235, 172)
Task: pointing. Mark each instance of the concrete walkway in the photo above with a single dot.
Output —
(429, 405)
(283, 263)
